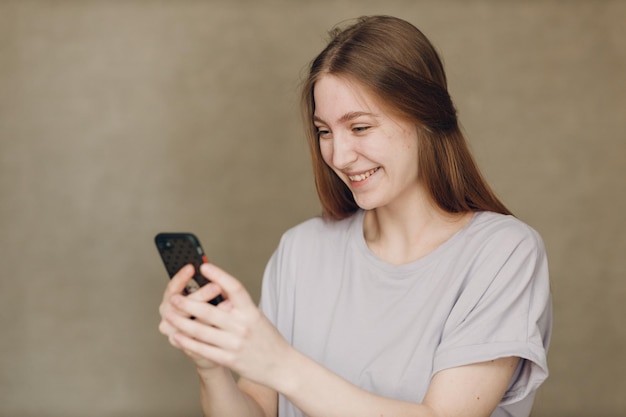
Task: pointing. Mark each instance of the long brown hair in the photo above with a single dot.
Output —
(399, 65)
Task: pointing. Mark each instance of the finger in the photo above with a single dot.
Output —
(166, 309)
(172, 339)
(166, 326)
(206, 293)
(174, 288)
(204, 333)
(206, 313)
(232, 288)
(225, 306)
(178, 281)
(206, 351)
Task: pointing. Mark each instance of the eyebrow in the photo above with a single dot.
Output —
(347, 117)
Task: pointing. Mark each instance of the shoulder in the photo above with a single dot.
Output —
(504, 252)
(303, 246)
(497, 245)
(503, 231)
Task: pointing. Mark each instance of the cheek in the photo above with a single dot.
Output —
(326, 150)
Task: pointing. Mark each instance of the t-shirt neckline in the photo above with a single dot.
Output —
(357, 237)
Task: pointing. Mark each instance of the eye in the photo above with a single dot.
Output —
(360, 128)
(322, 132)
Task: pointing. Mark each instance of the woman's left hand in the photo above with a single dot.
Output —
(239, 337)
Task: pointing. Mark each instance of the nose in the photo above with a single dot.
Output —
(344, 152)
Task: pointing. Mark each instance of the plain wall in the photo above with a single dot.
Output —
(121, 119)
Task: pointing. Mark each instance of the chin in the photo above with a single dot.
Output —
(366, 204)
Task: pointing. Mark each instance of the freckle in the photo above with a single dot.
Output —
(478, 398)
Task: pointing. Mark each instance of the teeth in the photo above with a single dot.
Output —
(363, 176)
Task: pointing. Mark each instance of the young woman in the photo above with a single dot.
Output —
(416, 293)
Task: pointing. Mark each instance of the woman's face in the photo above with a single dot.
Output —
(373, 151)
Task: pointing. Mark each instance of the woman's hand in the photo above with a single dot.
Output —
(170, 314)
(234, 334)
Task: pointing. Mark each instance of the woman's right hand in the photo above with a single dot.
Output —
(168, 310)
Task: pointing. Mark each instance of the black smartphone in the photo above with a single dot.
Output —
(180, 249)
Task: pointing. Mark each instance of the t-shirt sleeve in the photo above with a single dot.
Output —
(267, 302)
(504, 309)
(277, 289)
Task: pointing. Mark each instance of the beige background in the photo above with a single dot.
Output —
(120, 119)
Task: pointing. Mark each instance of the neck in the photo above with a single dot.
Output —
(400, 235)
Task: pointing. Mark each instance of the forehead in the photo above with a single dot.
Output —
(335, 95)
(338, 99)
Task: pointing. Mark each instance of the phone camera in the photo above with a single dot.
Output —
(165, 244)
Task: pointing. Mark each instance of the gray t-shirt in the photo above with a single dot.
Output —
(482, 295)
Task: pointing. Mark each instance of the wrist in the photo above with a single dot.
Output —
(287, 374)
(212, 373)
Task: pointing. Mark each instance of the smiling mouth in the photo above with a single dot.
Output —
(363, 176)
